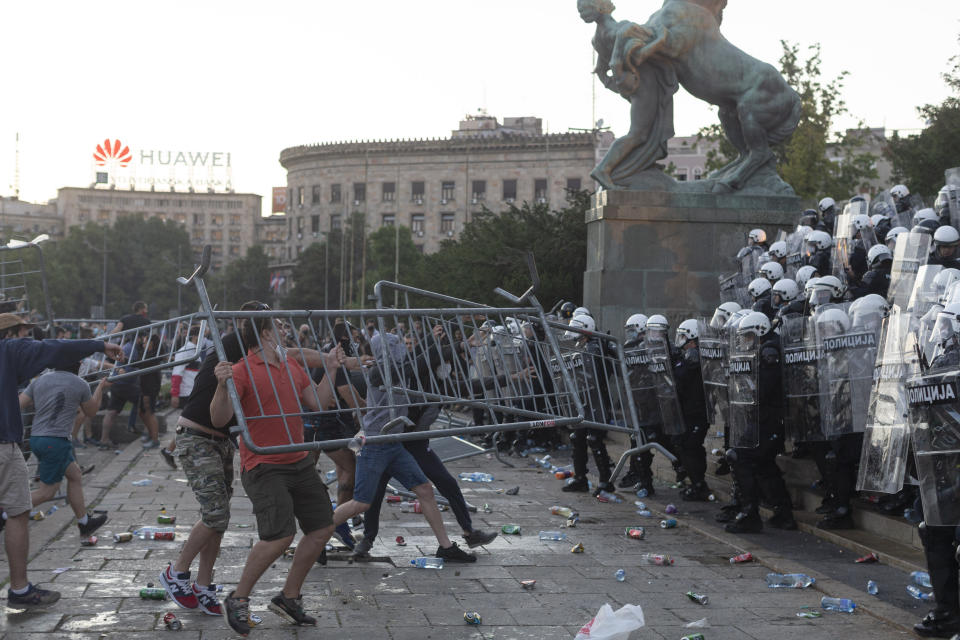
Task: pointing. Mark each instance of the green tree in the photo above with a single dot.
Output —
(802, 160)
(920, 160)
(245, 279)
(392, 255)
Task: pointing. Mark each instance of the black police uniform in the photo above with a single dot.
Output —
(756, 470)
(946, 263)
(651, 423)
(881, 229)
(764, 305)
(596, 409)
(858, 261)
(693, 405)
(876, 280)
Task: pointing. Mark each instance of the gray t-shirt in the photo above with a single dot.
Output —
(56, 397)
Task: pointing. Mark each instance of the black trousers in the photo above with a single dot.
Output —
(757, 474)
(847, 448)
(692, 455)
(940, 548)
(437, 473)
(581, 439)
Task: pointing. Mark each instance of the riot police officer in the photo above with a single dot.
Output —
(595, 375)
(948, 194)
(900, 195)
(755, 468)
(786, 300)
(877, 279)
(689, 378)
(828, 215)
(566, 311)
(891, 239)
(818, 244)
(640, 473)
(760, 290)
(882, 220)
(945, 243)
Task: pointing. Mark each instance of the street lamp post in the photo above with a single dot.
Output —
(104, 252)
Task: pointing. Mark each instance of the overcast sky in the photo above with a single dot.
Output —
(251, 77)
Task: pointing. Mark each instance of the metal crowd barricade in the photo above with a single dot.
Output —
(15, 271)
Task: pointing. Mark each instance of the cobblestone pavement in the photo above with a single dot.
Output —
(392, 600)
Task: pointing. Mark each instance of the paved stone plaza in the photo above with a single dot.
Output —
(390, 600)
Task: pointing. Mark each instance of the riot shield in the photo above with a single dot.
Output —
(733, 288)
(925, 293)
(935, 418)
(713, 367)
(883, 460)
(801, 380)
(848, 351)
(660, 365)
(795, 254)
(842, 246)
(641, 383)
(744, 392)
(911, 253)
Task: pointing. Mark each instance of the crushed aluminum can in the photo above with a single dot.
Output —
(578, 548)
(637, 533)
(486, 508)
(172, 623)
(401, 542)
(669, 523)
(254, 619)
(670, 510)
(868, 559)
(394, 499)
(89, 541)
(289, 552)
(512, 491)
(472, 617)
(528, 584)
(740, 559)
(37, 515)
(572, 522)
(510, 530)
(123, 537)
(698, 597)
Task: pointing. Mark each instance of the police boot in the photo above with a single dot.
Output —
(747, 521)
(697, 492)
(631, 479)
(827, 505)
(646, 481)
(938, 624)
(728, 513)
(723, 467)
(782, 518)
(681, 474)
(604, 486)
(579, 485)
(842, 518)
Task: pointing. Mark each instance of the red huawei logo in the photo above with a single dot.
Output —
(112, 151)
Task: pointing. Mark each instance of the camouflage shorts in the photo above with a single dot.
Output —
(208, 465)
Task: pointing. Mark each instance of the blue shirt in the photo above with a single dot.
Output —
(24, 358)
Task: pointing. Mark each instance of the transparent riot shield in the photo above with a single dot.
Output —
(641, 383)
(883, 460)
(842, 246)
(801, 380)
(744, 388)
(911, 253)
(660, 365)
(925, 293)
(795, 254)
(935, 418)
(713, 367)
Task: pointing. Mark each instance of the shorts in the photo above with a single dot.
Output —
(14, 481)
(375, 460)
(208, 465)
(120, 395)
(327, 428)
(286, 494)
(54, 455)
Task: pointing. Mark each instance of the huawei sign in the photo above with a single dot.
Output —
(112, 151)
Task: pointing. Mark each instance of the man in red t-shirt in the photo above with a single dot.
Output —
(285, 488)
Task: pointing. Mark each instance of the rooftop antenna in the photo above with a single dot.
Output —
(16, 167)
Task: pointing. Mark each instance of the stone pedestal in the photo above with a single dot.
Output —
(662, 252)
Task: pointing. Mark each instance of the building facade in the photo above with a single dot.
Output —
(226, 221)
(433, 187)
(23, 220)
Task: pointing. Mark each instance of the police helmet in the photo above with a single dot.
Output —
(946, 236)
(861, 222)
(582, 311)
(566, 310)
(772, 271)
(784, 292)
(819, 239)
(833, 322)
(826, 204)
(883, 208)
(658, 327)
(584, 323)
(755, 323)
(809, 217)
(870, 304)
(899, 191)
(687, 331)
(804, 274)
(758, 287)
(877, 254)
(943, 280)
(635, 326)
(837, 288)
(758, 236)
(925, 214)
(778, 250)
(723, 314)
(893, 233)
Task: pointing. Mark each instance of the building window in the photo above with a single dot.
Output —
(417, 191)
(540, 190)
(300, 196)
(234, 250)
(235, 236)
(479, 191)
(681, 175)
(334, 193)
(446, 191)
(447, 223)
(359, 192)
(217, 219)
(574, 184)
(697, 173)
(509, 190)
(299, 225)
(216, 235)
(315, 225)
(234, 219)
(416, 224)
(389, 191)
(316, 194)
(289, 198)
(389, 220)
(199, 219)
(335, 223)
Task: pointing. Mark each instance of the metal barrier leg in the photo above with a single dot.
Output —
(496, 451)
(625, 458)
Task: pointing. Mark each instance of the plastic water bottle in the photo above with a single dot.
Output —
(789, 581)
(620, 575)
(642, 493)
(918, 593)
(646, 513)
(566, 512)
(155, 533)
(842, 605)
(411, 507)
(872, 588)
(544, 462)
(606, 496)
(427, 563)
(146, 482)
(356, 443)
(657, 559)
(921, 579)
(330, 476)
(552, 536)
(476, 476)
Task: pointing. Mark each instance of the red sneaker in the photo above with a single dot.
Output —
(178, 586)
(207, 597)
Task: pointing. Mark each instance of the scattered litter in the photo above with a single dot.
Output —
(411, 507)
(563, 474)
(566, 512)
(612, 625)
(394, 499)
(740, 559)
(639, 504)
(572, 522)
(146, 482)
(51, 510)
(646, 513)
(401, 542)
(60, 570)
(809, 614)
(637, 533)
(156, 533)
(330, 476)
(657, 559)
(921, 579)
(241, 525)
(789, 581)
(918, 593)
(620, 575)
(172, 623)
(642, 493)
(553, 536)
(694, 636)
(90, 541)
(165, 518)
(606, 496)
(472, 617)
(255, 619)
(670, 509)
(578, 548)
(510, 529)
(37, 515)
(528, 584)
(697, 624)
(476, 476)
(513, 491)
(289, 552)
(153, 594)
(872, 587)
(868, 559)
(698, 598)
(486, 508)
(123, 537)
(842, 605)
(427, 563)
(669, 523)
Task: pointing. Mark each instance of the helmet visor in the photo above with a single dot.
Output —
(719, 319)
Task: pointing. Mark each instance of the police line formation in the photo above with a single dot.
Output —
(841, 338)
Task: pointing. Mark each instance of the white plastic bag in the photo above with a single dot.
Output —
(612, 625)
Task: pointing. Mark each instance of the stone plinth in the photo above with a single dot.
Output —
(660, 252)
